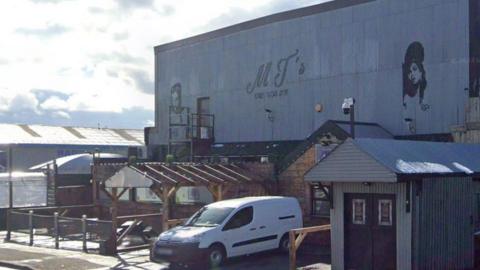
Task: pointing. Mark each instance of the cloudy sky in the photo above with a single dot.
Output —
(90, 62)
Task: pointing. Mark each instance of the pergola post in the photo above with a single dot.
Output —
(220, 192)
(111, 244)
(165, 208)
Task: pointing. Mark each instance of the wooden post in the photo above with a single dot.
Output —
(295, 242)
(293, 252)
(165, 208)
(84, 233)
(9, 228)
(30, 226)
(110, 246)
(114, 221)
(55, 229)
(220, 192)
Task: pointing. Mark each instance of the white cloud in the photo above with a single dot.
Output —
(23, 103)
(54, 103)
(99, 54)
(61, 114)
(149, 123)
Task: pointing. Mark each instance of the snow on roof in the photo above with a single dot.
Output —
(39, 134)
(420, 157)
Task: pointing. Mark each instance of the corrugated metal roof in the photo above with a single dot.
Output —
(415, 157)
(39, 134)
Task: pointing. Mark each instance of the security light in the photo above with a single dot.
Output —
(347, 104)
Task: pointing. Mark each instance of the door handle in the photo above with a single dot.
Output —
(262, 227)
(253, 229)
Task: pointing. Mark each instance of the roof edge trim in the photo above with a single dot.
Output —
(277, 17)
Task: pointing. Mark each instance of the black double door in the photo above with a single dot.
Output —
(370, 231)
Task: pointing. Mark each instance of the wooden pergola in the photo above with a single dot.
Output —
(164, 179)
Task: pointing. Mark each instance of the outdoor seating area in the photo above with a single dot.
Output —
(114, 180)
(116, 221)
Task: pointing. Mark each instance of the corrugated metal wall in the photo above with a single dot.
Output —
(355, 51)
(445, 231)
(404, 220)
(349, 164)
(476, 185)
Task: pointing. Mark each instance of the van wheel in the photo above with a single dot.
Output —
(216, 256)
(284, 245)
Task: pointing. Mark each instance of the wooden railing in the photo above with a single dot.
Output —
(175, 222)
(295, 241)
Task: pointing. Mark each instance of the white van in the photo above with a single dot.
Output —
(230, 228)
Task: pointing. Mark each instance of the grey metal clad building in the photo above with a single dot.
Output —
(34, 144)
(401, 204)
(406, 63)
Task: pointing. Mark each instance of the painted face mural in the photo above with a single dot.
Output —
(176, 98)
(414, 75)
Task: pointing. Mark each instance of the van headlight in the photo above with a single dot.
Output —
(192, 239)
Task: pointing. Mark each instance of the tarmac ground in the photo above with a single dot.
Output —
(19, 256)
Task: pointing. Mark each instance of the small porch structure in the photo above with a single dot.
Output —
(401, 204)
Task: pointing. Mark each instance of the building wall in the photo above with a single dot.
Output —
(355, 51)
(404, 220)
(445, 232)
(291, 180)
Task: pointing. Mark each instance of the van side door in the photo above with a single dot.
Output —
(239, 233)
(268, 225)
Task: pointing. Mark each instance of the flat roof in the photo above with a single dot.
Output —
(57, 135)
(277, 17)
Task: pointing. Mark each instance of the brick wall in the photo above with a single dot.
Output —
(291, 180)
(291, 184)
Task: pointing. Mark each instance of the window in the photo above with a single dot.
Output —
(320, 201)
(209, 216)
(240, 219)
(385, 212)
(146, 195)
(358, 212)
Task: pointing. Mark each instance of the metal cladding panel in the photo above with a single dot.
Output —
(403, 226)
(445, 232)
(357, 51)
(349, 164)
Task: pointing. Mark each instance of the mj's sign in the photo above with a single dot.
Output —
(270, 78)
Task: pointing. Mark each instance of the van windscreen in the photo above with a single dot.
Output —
(209, 216)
